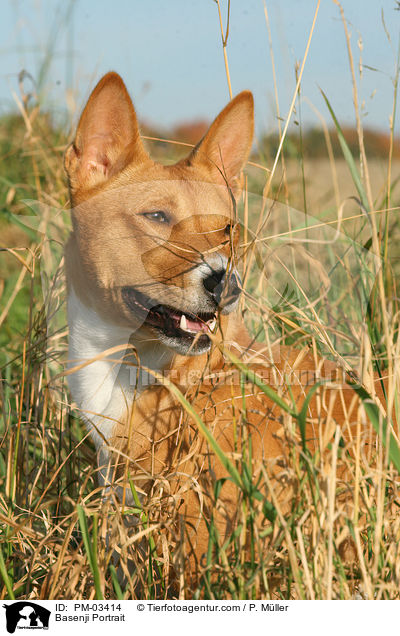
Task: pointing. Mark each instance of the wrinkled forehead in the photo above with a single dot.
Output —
(179, 196)
(184, 196)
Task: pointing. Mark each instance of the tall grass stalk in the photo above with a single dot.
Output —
(330, 537)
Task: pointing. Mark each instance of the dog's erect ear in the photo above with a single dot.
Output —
(227, 143)
(107, 137)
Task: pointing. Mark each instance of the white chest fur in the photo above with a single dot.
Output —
(104, 388)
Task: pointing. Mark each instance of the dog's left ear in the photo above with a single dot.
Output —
(227, 144)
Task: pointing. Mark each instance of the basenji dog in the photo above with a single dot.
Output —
(153, 289)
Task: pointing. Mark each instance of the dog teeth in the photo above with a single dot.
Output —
(183, 322)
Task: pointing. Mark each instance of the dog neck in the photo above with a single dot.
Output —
(104, 388)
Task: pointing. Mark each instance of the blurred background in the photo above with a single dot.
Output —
(320, 210)
(170, 55)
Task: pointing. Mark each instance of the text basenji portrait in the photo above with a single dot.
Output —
(198, 426)
(199, 307)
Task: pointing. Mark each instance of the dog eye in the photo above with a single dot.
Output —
(158, 217)
(228, 229)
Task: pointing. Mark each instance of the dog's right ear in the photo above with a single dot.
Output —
(226, 146)
(107, 137)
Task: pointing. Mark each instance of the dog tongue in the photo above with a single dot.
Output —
(189, 324)
(194, 325)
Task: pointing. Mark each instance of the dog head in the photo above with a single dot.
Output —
(153, 246)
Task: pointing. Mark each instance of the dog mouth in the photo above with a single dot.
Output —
(172, 322)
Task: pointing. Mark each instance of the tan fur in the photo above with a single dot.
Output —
(112, 180)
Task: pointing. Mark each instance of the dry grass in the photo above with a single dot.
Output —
(329, 287)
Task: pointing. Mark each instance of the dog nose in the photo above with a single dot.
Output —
(214, 282)
(222, 286)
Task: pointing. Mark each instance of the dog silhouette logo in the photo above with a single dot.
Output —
(26, 615)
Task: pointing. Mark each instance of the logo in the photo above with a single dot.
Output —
(26, 615)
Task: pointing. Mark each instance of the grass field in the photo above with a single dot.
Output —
(323, 273)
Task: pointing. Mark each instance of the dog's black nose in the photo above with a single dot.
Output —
(214, 282)
(222, 286)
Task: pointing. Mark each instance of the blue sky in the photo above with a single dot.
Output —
(170, 54)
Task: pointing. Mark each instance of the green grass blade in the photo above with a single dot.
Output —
(348, 157)
(225, 461)
(380, 425)
(115, 582)
(144, 519)
(252, 377)
(15, 220)
(302, 416)
(89, 548)
(6, 579)
(134, 493)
